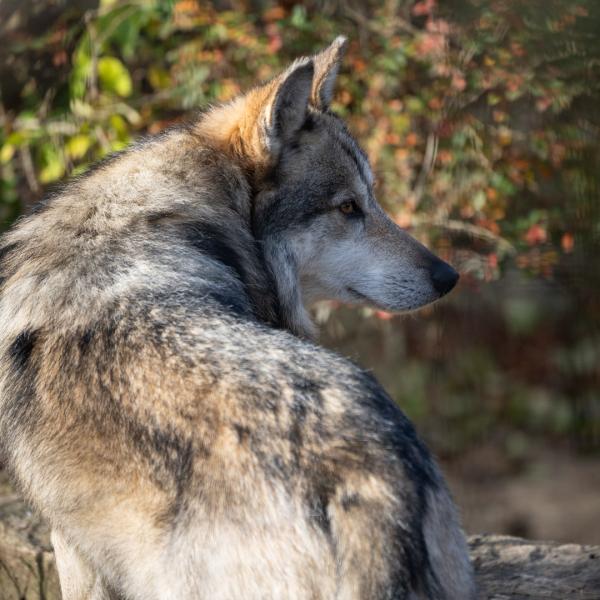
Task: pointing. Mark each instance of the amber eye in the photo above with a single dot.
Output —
(349, 207)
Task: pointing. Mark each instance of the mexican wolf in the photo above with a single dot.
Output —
(161, 403)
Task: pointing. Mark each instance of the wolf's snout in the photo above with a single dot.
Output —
(443, 276)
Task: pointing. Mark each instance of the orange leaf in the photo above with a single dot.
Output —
(422, 8)
(567, 242)
(276, 13)
(412, 139)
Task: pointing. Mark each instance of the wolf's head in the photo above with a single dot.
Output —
(314, 211)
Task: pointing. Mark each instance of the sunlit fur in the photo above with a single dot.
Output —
(159, 403)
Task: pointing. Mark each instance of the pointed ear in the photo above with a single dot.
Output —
(327, 65)
(285, 111)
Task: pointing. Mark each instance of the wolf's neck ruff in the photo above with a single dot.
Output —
(255, 131)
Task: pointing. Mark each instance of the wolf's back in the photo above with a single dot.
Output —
(189, 449)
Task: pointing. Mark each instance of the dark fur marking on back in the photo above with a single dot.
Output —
(306, 399)
(211, 241)
(232, 302)
(21, 348)
(298, 417)
(160, 215)
(243, 432)
(322, 488)
(85, 340)
(349, 501)
(170, 454)
(4, 252)
(20, 409)
(318, 513)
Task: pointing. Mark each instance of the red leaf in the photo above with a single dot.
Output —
(536, 234)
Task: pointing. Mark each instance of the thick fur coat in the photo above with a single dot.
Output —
(161, 404)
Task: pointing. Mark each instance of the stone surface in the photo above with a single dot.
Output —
(510, 568)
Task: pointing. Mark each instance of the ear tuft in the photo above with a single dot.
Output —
(290, 104)
(327, 64)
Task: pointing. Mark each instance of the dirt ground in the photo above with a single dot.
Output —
(555, 496)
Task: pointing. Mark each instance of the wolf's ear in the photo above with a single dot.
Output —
(327, 65)
(285, 111)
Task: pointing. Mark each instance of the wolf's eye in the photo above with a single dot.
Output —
(349, 208)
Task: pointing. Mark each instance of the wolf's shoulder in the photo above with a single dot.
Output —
(271, 361)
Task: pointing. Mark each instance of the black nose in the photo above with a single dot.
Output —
(444, 277)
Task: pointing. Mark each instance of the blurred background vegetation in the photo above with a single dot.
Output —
(482, 122)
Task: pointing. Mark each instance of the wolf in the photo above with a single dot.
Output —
(163, 402)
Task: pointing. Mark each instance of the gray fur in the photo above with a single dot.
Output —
(159, 403)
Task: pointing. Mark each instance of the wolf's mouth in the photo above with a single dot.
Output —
(387, 307)
(358, 294)
(363, 298)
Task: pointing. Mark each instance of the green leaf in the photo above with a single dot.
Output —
(119, 126)
(478, 200)
(298, 18)
(114, 76)
(54, 167)
(159, 78)
(78, 145)
(82, 68)
(6, 153)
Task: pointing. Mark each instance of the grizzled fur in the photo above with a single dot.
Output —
(161, 404)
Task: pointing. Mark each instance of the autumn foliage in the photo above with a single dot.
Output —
(481, 119)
